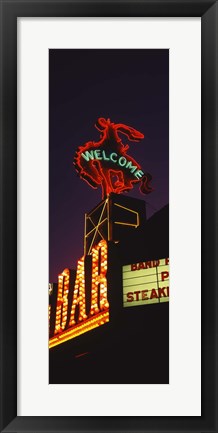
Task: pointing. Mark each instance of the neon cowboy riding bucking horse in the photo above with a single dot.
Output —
(105, 163)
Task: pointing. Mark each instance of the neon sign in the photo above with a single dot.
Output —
(106, 163)
(79, 321)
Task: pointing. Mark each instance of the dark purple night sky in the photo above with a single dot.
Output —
(127, 86)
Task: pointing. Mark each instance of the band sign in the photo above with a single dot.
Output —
(146, 283)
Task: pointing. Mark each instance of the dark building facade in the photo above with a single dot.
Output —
(132, 345)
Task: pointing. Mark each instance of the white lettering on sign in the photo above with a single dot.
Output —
(146, 283)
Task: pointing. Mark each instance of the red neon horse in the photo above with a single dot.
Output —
(106, 162)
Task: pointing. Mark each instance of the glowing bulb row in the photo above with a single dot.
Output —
(62, 300)
(99, 280)
(79, 294)
(79, 329)
(49, 316)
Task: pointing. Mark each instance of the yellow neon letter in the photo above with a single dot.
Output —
(79, 294)
(99, 300)
(62, 301)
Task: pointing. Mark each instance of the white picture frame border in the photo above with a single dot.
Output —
(182, 397)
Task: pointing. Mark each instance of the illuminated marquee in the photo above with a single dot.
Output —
(106, 163)
(68, 326)
(146, 283)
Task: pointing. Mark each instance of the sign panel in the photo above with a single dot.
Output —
(146, 283)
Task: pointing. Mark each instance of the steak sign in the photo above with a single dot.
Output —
(146, 283)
